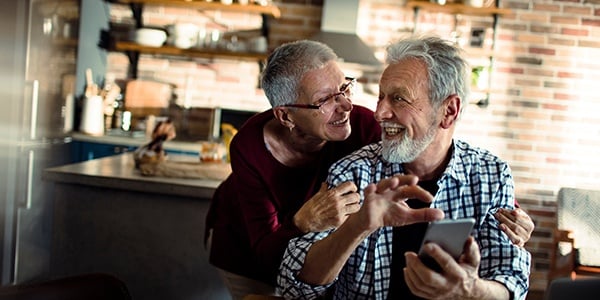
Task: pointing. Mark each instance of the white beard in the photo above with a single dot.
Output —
(405, 150)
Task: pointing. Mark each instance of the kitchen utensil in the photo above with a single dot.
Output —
(91, 88)
(109, 99)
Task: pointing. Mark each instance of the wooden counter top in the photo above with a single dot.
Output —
(118, 172)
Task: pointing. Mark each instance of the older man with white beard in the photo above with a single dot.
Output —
(372, 255)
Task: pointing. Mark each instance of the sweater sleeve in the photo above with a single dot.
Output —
(268, 227)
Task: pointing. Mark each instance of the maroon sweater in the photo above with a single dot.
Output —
(252, 211)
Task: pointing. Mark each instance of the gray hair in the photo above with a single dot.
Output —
(287, 65)
(448, 71)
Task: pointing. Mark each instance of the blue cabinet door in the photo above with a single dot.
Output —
(89, 150)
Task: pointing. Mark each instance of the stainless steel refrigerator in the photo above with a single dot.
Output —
(38, 49)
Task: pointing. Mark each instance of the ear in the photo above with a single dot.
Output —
(451, 108)
(283, 115)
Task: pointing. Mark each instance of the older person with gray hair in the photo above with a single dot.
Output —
(419, 172)
(279, 160)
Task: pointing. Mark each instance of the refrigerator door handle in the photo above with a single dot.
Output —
(31, 107)
(34, 108)
(26, 182)
(29, 187)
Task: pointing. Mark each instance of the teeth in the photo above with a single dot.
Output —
(338, 122)
(391, 131)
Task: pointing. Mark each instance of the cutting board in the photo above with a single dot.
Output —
(147, 94)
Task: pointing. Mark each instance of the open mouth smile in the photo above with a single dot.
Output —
(340, 122)
(392, 130)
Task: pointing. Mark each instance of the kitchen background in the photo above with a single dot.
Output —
(542, 113)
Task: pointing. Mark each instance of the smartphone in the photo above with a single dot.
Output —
(450, 234)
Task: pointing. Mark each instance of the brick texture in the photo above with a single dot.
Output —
(543, 112)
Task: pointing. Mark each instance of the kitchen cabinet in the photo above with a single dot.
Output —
(133, 50)
(87, 147)
(458, 9)
(147, 231)
(88, 150)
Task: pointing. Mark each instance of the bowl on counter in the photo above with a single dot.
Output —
(151, 37)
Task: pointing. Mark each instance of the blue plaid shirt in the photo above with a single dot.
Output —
(475, 184)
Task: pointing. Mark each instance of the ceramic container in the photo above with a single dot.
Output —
(150, 37)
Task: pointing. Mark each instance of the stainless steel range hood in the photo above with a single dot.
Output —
(339, 25)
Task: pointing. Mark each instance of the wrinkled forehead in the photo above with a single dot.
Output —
(328, 78)
(407, 72)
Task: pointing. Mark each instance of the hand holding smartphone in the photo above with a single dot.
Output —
(450, 234)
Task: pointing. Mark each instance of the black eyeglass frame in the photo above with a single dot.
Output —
(351, 81)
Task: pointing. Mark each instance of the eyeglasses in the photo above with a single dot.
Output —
(324, 104)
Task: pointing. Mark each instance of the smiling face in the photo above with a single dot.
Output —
(409, 122)
(324, 124)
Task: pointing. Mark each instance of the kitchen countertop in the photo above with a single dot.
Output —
(146, 231)
(118, 172)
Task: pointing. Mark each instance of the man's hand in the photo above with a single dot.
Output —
(516, 224)
(328, 208)
(385, 203)
(457, 280)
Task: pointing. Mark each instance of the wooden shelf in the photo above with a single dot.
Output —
(203, 5)
(457, 8)
(133, 50)
(192, 52)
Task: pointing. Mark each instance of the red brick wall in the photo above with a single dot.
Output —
(543, 114)
(544, 120)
